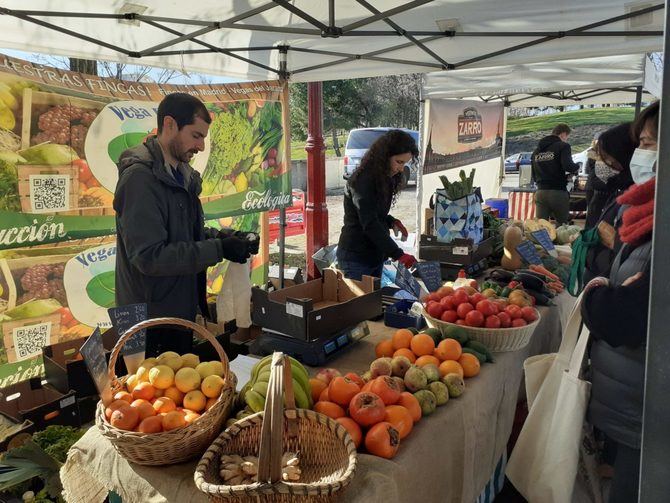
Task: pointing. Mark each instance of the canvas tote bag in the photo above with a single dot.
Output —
(543, 465)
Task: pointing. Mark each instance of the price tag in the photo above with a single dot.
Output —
(544, 240)
(93, 353)
(125, 317)
(528, 252)
(406, 281)
(431, 274)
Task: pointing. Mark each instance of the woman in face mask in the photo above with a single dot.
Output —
(615, 309)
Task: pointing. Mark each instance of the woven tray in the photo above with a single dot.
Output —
(175, 446)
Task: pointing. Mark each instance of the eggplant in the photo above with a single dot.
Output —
(501, 275)
(540, 298)
(529, 281)
(533, 273)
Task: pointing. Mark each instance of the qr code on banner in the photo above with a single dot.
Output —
(30, 339)
(49, 193)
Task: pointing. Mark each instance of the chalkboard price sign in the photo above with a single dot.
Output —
(528, 252)
(93, 353)
(543, 238)
(125, 317)
(431, 274)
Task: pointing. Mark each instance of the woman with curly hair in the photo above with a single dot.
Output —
(365, 242)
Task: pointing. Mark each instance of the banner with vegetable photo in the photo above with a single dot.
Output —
(61, 134)
(462, 132)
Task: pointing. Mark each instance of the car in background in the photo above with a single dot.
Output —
(358, 143)
(513, 162)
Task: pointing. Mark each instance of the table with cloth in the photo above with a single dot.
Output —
(450, 455)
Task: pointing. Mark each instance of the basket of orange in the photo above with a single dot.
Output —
(172, 408)
(499, 324)
(282, 454)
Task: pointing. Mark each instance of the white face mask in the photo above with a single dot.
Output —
(643, 165)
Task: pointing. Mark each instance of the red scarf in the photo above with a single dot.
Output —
(638, 218)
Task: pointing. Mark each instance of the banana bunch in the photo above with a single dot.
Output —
(254, 392)
(9, 102)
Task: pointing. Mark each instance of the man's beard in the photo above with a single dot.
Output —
(180, 154)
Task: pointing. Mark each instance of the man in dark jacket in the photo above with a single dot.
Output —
(550, 161)
(163, 248)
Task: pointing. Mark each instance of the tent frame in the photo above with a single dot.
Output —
(321, 29)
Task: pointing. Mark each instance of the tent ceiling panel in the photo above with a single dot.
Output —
(357, 38)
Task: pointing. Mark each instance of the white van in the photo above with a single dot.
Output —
(359, 142)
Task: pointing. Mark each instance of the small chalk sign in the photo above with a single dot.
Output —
(528, 252)
(125, 317)
(406, 281)
(93, 353)
(430, 273)
(544, 240)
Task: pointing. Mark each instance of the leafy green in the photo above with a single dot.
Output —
(457, 190)
(9, 187)
(56, 440)
(33, 308)
(100, 289)
(26, 462)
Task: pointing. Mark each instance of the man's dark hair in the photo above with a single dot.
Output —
(183, 108)
(560, 129)
(648, 116)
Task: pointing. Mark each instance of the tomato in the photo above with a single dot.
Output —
(353, 429)
(449, 316)
(476, 298)
(356, 378)
(474, 319)
(435, 310)
(341, 390)
(461, 322)
(474, 284)
(367, 409)
(447, 302)
(519, 322)
(444, 291)
(492, 322)
(382, 440)
(529, 314)
(433, 296)
(387, 389)
(495, 307)
(513, 311)
(464, 309)
(84, 171)
(505, 319)
(485, 307)
(460, 297)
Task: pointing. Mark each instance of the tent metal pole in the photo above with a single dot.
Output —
(638, 100)
(654, 480)
(383, 15)
(362, 56)
(302, 14)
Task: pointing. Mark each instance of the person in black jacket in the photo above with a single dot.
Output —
(163, 248)
(615, 310)
(365, 242)
(550, 162)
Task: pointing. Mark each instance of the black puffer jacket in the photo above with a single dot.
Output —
(550, 162)
(617, 318)
(162, 251)
(365, 235)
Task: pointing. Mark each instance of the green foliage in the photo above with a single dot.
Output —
(610, 115)
(9, 190)
(56, 440)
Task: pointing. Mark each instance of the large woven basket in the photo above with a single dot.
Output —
(497, 340)
(326, 451)
(175, 446)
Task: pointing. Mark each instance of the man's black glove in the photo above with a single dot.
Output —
(254, 241)
(235, 249)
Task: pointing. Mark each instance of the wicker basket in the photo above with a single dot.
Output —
(175, 446)
(497, 340)
(326, 451)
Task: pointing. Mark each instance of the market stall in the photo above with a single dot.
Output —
(452, 454)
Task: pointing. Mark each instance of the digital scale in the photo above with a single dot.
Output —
(314, 353)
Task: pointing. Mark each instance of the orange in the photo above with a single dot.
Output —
(211, 402)
(450, 367)
(151, 424)
(329, 409)
(316, 386)
(384, 348)
(124, 395)
(422, 344)
(191, 416)
(164, 404)
(402, 339)
(400, 418)
(448, 349)
(174, 394)
(470, 365)
(125, 418)
(116, 404)
(324, 396)
(144, 408)
(173, 420)
(426, 360)
(406, 353)
(143, 391)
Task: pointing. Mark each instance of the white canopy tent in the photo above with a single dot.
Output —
(328, 39)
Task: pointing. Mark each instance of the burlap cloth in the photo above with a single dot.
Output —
(448, 457)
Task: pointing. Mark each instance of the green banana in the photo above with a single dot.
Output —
(261, 374)
(262, 377)
(254, 400)
(261, 387)
(301, 400)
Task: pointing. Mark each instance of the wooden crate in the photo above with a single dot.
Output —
(27, 171)
(49, 323)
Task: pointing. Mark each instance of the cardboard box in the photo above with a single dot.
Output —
(39, 403)
(318, 308)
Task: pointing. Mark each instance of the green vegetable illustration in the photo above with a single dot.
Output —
(101, 289)
(123, 142)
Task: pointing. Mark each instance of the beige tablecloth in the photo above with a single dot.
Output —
(448, 457)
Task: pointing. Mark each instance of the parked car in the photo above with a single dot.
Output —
(359, 142)
(513, 162)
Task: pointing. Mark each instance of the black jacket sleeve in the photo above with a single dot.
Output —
(566, 160)
(142, 221)
(364, 197)
(618, 314)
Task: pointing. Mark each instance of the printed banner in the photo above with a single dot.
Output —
(61, 135)
(461, 133)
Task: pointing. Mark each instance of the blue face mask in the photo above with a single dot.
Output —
(643, 165)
